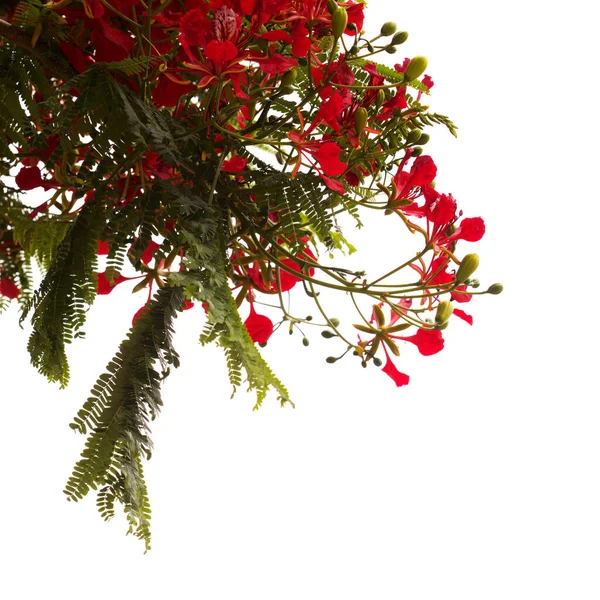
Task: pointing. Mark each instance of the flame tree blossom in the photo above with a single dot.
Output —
(209, 152)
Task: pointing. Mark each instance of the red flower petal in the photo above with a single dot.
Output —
(8, 288)
(327, 155)
(461, 314)
(260, 328)
(104, 286)
(470, 230)
(28, 178)
(427, 341)
(220, 52)
(390, 370)
(235, 164)
(167, 92)
(147, 255)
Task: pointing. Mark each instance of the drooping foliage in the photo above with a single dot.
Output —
(208, 152)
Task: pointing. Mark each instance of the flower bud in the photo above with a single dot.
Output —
(335, 322)
(444, 312)
(360, 120)
(339, 20)
(391, 49)
(327, 334)
(400, 38)
(417, 152)
(331, 359)
(468, 266)
(388, 28)
(331, 6)
(289, 78)
(423, 139)
(414, 136)
(495, 289)
(416, 68)
(305, 341)
(377, 361)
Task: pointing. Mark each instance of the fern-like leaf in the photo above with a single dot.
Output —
(122, 402)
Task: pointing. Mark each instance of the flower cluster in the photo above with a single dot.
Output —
(252, 83)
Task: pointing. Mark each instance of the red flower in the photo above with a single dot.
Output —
(8, 288)
(421, 175)
(235, 164)
(260, 328)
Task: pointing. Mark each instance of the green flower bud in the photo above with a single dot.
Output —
(331, 359)
(417, 152)
(414, 136)
(416, 68)
(444, 312)
(391, 50)
(400, 38)
(423, 139)
(289, 78)
(360, 120)
(305, 342)
(327, 334)
(495, 289)
(331, 6)
(380, 97)
(377, 361)
(335, 322)
(339, 20)
(468, 266)
(388, 28)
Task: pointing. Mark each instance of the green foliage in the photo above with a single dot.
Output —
(122, 402)
(60, 301)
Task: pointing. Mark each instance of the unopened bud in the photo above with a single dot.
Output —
(331, 359)
(495, 289)
(305, 342)
(334, 322)
(360, 120)
(388, 28)
(377, 361)
(414, 136)
(417, 152)
(444, 312)
(380, 97)
(289, 78)
(423, 139)
(327, 334)
(331, 6)
(416, 68)
(468, 266)
(339, 20)
(391, 49)
(400, 38)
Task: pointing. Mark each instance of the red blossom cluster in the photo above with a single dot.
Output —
(218, 67)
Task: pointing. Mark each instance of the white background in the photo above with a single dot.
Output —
(480, 480)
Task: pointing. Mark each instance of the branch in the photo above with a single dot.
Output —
(22, 39)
